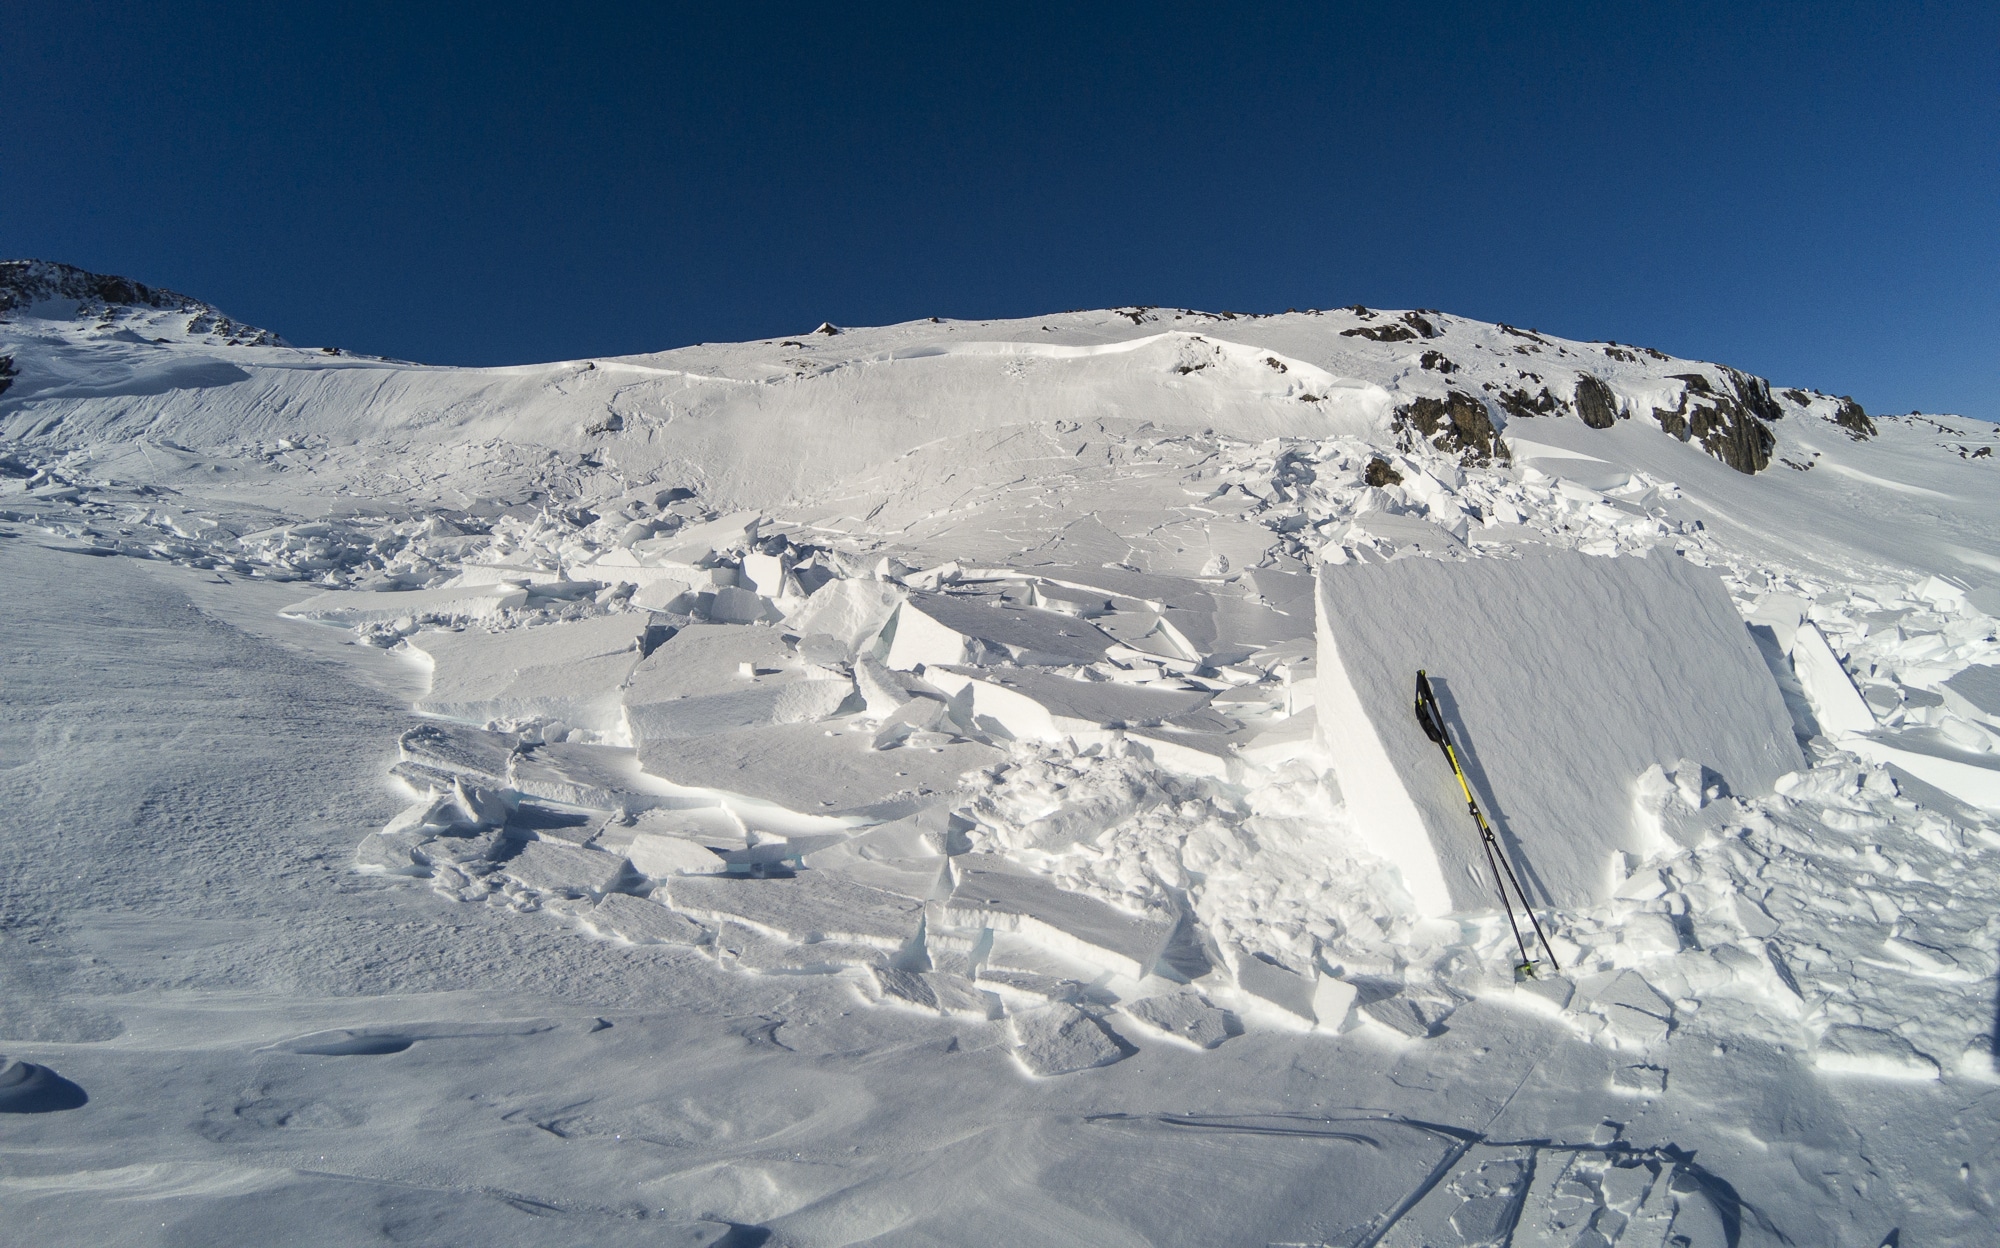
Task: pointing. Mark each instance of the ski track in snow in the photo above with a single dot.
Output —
(482, 801)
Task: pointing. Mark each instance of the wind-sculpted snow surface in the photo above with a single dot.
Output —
(885, 756)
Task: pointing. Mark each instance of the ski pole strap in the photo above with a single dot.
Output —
(1429, 717)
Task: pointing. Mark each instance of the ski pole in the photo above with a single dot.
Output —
(1432, 721)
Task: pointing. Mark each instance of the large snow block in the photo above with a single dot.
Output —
(1563, 677)
(570, 671)
(717, 678)
(935, 629)
(811, 906)
(992, 895)
(1032, 705)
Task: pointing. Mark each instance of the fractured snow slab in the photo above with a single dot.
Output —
(1975, 691)
(552, 868)
(656, 854)
(356, 607)
(942, 993)
(1185, 1015)
(932, 629)
(751, 950)
(1041, 706)
(1419, 1018)
(599, 777)
(1835, 702)
(1637, 1014)
(849, 611)
(718, 678)
(811, 906)
(1059, 1039)
(478, 756)
(643, 922)
(1850, 1050)
(990, 895)
(569, 671)
(804, 769)
(1278, 985)
(1971, 778)
(1563, 677)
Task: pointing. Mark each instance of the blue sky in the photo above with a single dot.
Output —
(1811, 192)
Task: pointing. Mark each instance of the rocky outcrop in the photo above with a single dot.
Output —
(1851, 418)
(25, 283)
(1726, 418)
(7, 372)
(1519, 403)
(1381, 333)
(1379, 473)
(1595, 402)
(1412, 326)
(1457, 424)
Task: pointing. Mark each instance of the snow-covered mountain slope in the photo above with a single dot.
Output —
(857, 416)
(1015, 678)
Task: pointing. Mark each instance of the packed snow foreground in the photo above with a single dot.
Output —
(1054, 677)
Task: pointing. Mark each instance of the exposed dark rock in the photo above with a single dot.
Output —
(1754, 393)
(1799, 397)
(1381, 333)
(7, 372)
(828, 328)
(24, 283)
(1595, 402)
(1725, 420)
(1522, 333)
(1366, 314)
(1458, 424)
(1673, 420)
(1526, 406)
(1743, 442)
(1275, 363)
(1379, 473)
(1617, 352)
(1436, 360)
(1418, 323)
(1851, 418)
(1697, 383)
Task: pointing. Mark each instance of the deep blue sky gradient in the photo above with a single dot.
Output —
(1811, 192)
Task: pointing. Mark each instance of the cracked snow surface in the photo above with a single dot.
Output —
(901, 785)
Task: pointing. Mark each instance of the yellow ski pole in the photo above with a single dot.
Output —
(1432, 721)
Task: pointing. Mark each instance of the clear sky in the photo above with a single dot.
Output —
(1808, 191)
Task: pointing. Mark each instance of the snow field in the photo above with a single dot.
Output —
(1014, 719)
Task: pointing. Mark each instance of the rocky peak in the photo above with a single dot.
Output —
(26, 283)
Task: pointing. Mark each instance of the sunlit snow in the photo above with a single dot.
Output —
(955, 782)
